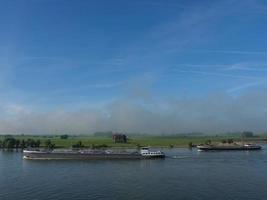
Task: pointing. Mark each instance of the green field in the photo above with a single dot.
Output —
(133, 141)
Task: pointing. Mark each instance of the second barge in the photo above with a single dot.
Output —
(245, 147)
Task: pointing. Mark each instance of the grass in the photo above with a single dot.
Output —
(134, 141)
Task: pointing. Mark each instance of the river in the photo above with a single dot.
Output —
(184, 174)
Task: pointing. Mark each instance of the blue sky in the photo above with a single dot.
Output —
(73, 55)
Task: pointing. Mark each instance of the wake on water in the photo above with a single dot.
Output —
(179, 157)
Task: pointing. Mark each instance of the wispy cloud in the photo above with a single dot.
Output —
(242, 66)
(236, 52)
(204, 65)
(102, 86)
(208, 73)
(257, 67)
(247, 85)
(161, 4)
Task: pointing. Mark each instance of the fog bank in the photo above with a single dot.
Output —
(211, 114)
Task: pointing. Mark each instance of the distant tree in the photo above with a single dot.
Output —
(190, 144)
(23, 144)
(9, 142)
(1, 144)
(100, 146)
(224, 141)
(17, 144)
(230, 141)
(8, 136)
(64, 136)
(103, 146)
(49, 144)
(119, 138)
(78, 145)
(38, 142)
(208, 142)
(247, 134)
(30, 143)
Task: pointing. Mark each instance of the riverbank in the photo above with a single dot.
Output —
(133, 141)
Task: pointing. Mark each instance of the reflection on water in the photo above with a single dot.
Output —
(184, 174)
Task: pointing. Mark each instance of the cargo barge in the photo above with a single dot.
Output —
(236, 147)
(144, 153)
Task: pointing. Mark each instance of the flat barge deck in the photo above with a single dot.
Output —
(144, 153)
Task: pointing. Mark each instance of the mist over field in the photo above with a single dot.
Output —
(211, 114)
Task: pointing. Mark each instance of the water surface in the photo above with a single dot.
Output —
(188, 175)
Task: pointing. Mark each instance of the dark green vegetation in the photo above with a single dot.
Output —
(14, 142)
(48, 144)
(133, 141)
(10, 142)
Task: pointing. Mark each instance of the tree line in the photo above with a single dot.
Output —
(13, 143)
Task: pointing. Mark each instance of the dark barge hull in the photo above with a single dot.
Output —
(241, 148)
(80, 156)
